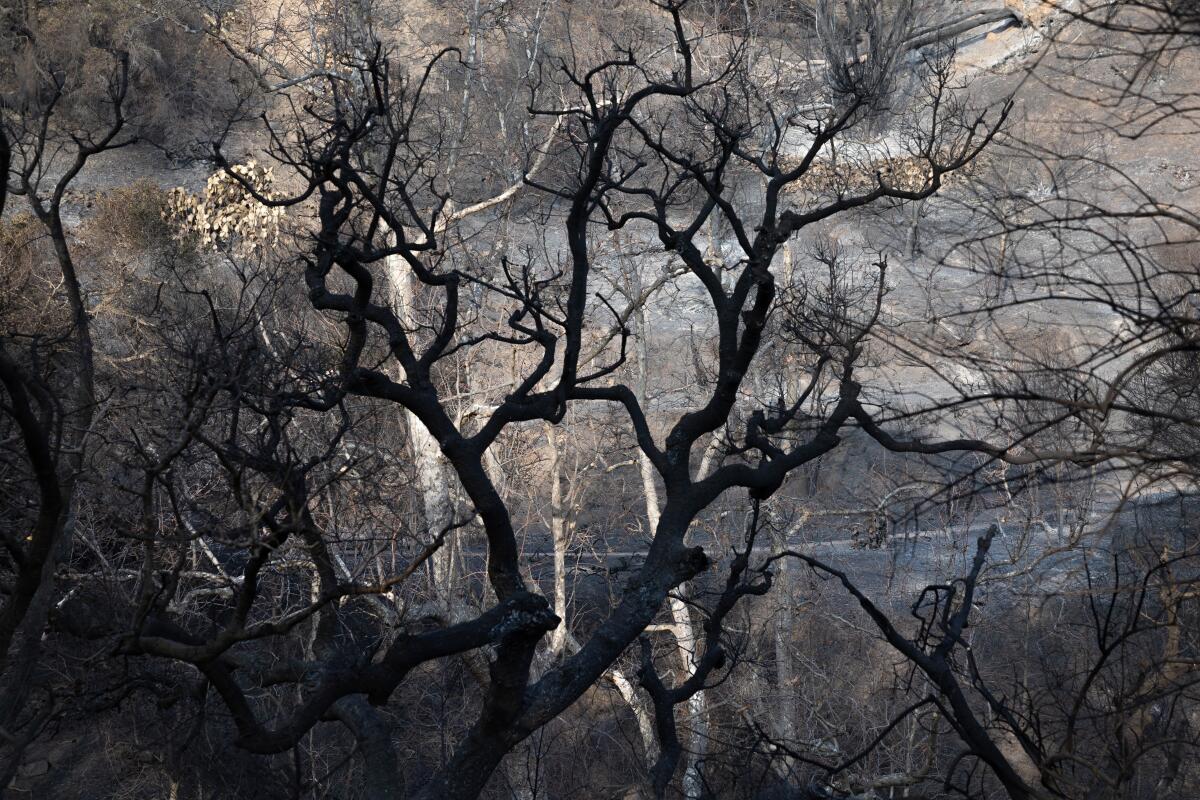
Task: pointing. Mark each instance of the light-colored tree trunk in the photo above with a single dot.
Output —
(681, 618)
(562, 641)
(560, 534)
(637, 704)
(434, 476)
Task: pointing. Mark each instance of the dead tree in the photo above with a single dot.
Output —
(654, 142)
(49, 379)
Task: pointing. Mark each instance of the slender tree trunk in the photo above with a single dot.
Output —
(681, 618)
(559, 533)
(562, 640)
(434, 476)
